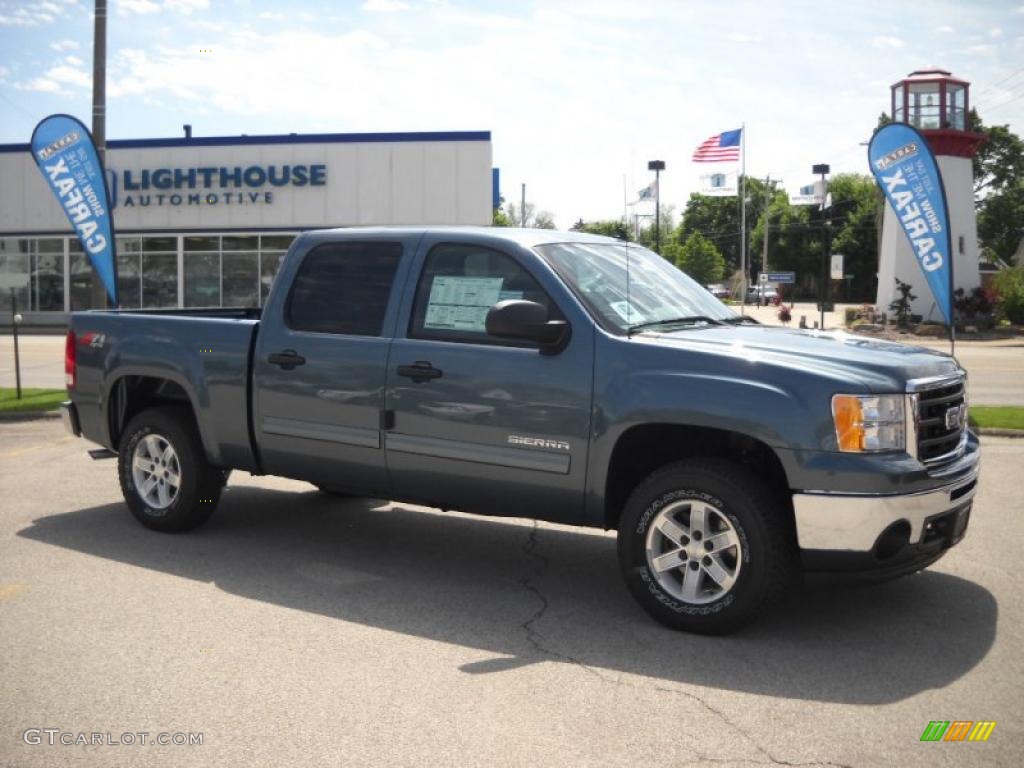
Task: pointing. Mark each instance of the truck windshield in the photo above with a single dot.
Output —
(659, 294)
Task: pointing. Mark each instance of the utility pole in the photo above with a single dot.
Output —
(99, 116)
(823, 169)
(522, 206)
(657, 166)
(768, 190)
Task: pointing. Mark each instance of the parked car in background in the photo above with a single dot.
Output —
(719, 290)
(762, 294)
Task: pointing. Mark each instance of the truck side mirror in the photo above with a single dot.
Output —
(519, 319)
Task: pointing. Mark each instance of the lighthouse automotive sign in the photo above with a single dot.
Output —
(906, 170)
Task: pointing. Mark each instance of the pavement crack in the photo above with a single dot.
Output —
(530, 582)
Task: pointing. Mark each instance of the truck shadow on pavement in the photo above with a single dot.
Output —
(529, 594)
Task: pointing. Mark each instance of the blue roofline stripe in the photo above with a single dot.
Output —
(288, 138)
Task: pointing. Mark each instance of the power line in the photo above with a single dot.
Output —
(992, 87)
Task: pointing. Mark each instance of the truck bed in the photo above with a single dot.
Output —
(205, 353)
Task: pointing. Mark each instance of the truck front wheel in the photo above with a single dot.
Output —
(704, 547)
(165, 478)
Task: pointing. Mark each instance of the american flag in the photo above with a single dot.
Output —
(720, 148)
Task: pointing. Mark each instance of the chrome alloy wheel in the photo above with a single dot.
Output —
(155, 471)
(694, 551)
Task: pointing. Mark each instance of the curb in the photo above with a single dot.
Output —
(29, 415)
(999, 432)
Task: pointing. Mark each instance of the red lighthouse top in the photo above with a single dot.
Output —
(937, 103)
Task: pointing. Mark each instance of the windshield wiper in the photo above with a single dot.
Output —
(690, 320)
(741, 319)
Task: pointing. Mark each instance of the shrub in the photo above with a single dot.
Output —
(901, 306)
(1009, 284)
(850, 315)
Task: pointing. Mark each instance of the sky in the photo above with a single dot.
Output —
(578, 94)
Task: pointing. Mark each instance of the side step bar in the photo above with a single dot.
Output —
(102, 453)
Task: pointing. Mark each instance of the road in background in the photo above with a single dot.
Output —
(996, 368)
(296, 628)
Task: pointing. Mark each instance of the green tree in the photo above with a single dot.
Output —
(610, 228)
(699, 258)
(856, 216)
(500, 219)
(719, 219)
(999, 188)
(533, 217)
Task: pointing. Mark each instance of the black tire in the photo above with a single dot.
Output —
(200, 484)
(767, 561)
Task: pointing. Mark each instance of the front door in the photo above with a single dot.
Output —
(320, 365)
(479, 423)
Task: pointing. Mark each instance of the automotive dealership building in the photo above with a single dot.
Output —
(205, 221)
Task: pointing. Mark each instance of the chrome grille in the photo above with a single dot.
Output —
(937, 439)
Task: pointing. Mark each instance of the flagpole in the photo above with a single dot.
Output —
(743, 210)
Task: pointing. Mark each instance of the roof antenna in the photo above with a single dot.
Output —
(629, 306)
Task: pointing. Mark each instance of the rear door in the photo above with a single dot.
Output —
(320, 363)
(480, 423)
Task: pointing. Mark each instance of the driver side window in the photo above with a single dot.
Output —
(457, 287)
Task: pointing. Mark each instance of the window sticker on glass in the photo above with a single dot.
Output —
(628, 312)
(461, 303)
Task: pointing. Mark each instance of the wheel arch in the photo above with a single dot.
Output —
(643, 448)
(131, 393)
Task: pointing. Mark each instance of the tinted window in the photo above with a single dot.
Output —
(459, 284)
(343, 288)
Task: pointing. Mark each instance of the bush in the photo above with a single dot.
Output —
(850, 315)
(977, 308)
(1009, 284)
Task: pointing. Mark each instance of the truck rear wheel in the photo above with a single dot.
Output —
(704, 546)
(165, 478)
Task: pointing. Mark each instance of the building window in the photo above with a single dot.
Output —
(15, 272)
(48, 275)
(202, 271)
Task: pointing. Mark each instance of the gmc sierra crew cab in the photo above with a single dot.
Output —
(558, 376)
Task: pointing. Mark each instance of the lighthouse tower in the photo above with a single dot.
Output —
(937, 104)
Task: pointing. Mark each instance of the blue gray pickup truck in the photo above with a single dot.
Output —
(550, 375)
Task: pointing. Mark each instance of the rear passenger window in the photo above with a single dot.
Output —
(343, 288)
(458, 286)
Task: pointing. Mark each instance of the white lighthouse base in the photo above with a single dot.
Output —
(897, 259)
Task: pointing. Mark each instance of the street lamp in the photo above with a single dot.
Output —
(657, 166)
(822, 170)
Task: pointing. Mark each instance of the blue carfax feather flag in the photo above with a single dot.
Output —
(64, 151)
(905, 168)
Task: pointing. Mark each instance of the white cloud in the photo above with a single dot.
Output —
(69, 75)
(983, 48)
(385, 6)
(995, 32)
(741, 37)
(65, 45)
(945, 29)
(40, 84)
(125, 7)
(74, 61)
(24, 17)
(186, 6)
(887, 41)
(272, 16)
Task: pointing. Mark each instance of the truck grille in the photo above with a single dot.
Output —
(935, 440)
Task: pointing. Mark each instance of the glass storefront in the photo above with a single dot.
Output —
(33, 269)
(53, 274)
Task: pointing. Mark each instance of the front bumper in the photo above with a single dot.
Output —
(69, 415)
(880, 532)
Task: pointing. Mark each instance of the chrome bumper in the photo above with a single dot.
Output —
(854, 523)
(69, 415)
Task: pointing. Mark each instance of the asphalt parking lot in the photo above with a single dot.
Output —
(296, 629)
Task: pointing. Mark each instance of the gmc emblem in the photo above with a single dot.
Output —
(956, 416)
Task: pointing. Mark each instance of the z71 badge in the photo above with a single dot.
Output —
(539, 442)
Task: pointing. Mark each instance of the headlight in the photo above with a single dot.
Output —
(866, 423)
